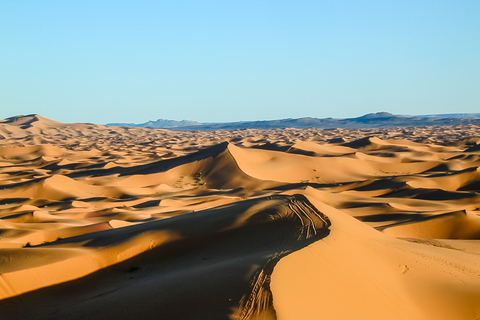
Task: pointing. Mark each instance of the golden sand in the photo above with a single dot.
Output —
(104, 222)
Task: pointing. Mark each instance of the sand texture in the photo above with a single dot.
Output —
(104, 222)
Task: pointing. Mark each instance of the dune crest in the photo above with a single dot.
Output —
(110, 222)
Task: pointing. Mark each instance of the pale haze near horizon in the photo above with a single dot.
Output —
(212, 61)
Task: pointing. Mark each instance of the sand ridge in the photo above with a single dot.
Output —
(111, 222)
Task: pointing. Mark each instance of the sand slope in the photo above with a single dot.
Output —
(122, 223)
(376, 276)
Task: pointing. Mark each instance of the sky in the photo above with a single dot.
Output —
(105, 61)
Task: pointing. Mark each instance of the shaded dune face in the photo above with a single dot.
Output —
(121, 223)
(225, 254)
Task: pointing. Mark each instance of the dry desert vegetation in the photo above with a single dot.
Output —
(104, 222)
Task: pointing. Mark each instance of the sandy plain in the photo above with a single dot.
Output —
(104, 222)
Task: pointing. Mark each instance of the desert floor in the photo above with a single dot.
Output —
(104, 222)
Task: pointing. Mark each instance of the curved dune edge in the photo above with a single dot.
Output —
(387, 278)
(65, 265)
(258, 303)
(277, 226)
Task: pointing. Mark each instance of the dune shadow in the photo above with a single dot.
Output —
(153, 167)
(429, 194)
(225, 254)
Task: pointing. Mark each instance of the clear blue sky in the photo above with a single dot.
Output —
(133, 61)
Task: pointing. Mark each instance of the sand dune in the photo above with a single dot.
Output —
(126, 223)
(375, 275)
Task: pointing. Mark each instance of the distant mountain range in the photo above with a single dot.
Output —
(371, 120)
(160, 123)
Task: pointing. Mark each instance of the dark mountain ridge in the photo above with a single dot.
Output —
(160, 123)
(371, 120)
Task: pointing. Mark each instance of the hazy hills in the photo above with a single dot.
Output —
(371, 120)
(160, 123)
